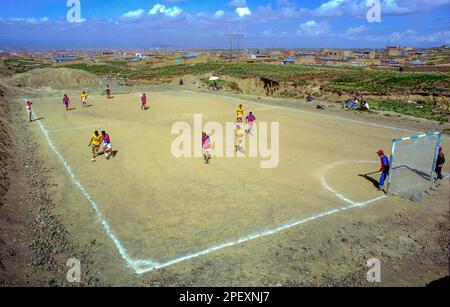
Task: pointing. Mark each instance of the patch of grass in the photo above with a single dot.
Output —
(330, 78)
(301, 82)
(384, 82)
(421, 110)
(100, 69)
(238, 70)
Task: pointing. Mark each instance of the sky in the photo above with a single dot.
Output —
(148, 24)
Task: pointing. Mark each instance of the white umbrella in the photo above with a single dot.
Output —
(213, 78)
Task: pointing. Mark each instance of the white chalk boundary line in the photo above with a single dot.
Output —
(324, 183)
(351, 204)
(133, 263)
(141, 266)
(313, 113)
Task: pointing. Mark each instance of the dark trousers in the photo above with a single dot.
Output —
(438, 171)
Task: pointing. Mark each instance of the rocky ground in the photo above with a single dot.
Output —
(34, 244)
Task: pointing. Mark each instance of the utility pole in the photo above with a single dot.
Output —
(238, 37)
(230, 36)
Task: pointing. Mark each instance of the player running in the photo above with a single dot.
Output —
(84, 96)
(29, 110)
(206, 145)
(106, 145)
(239, 139)
(239, 113)
(66, 101)
(95, 144)
(250, 121)
(144, 102)
(384, 169)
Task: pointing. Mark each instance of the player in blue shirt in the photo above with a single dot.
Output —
(384, 169)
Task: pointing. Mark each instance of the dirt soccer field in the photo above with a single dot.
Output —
(150, 211)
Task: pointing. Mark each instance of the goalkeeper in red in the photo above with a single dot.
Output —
(384, 169)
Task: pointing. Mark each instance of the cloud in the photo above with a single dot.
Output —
(133, 14)
(359, 8)
(313, 28)
(409, 37)
(29, 20)
(355, 30)
(219, 13)
(243, 11)
(167, 11)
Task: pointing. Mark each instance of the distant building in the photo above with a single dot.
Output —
(306, 60)
(290, 60)
(393, 62)
(358, 64)
(189, 56)
(132, 58)
(417, 63)
(64, 59)
(288, 52)
(393, 51)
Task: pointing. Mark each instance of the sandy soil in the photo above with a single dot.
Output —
(162, 208)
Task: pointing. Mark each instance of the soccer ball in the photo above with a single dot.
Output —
(92, 160)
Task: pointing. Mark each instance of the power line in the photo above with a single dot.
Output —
(238, 37)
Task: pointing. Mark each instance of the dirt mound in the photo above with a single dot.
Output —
(55, 78)
(5, 142)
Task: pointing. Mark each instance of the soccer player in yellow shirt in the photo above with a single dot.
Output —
(95, 144)
(84, 96)
(239, 113)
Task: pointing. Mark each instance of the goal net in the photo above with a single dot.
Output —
(116, 85)
(413, 160)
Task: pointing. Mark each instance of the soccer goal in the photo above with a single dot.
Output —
(413, 160)
(117, 85)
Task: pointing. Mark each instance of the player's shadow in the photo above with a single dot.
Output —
(37, 119)
(146, 108)
(71, 109)
(372, 180)
(89, 105)
(420, 173)
(113, 153)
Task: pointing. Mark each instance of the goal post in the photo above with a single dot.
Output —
(117, 85)
(413, 161)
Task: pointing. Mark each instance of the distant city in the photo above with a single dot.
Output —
(400, 57)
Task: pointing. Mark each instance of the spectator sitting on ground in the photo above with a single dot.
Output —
(309, 98)
(362, 105)
(350, 104)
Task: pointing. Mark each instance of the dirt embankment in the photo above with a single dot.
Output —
(53, 78)
(314, 85)
(263, 86)
(34, 245)
(5, 144)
